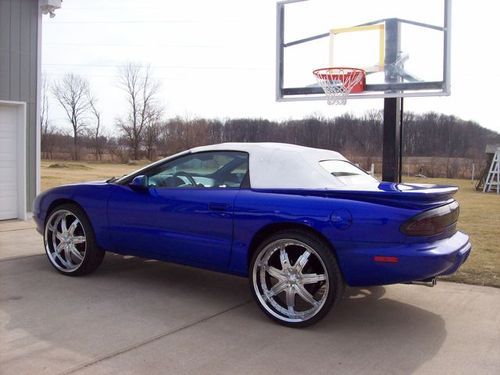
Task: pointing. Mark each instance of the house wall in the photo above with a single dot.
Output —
(19, 20)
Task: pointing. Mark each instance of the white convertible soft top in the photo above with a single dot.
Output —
(283, 166)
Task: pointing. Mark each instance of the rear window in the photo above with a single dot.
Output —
(346, 172)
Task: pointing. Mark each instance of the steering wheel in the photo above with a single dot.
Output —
(187, 175)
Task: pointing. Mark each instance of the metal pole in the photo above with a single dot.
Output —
(392, 141)
(401, 135)
(280, 34)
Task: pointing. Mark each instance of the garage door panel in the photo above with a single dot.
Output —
(8, 116)
(8, 187)
(10, 165)
(8, 138)
(7, 197)
(8, 162)
(8, 150)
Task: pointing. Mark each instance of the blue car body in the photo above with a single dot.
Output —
(218, 228)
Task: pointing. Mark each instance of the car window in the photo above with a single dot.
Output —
(218, 169)
(346, 172)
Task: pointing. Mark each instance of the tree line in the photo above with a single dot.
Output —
(144, 132)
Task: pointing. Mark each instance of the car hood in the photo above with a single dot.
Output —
(85, 183)
(68, 190)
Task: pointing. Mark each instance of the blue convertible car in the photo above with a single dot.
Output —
(301, 223)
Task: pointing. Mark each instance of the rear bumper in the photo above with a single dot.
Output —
(458, 257)
(414, 261)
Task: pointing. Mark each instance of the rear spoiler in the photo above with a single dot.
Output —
(413, 196)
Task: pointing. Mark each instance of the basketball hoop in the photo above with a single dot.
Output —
(338, 83)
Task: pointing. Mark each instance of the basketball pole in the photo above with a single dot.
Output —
(393, 108)
(391, 146)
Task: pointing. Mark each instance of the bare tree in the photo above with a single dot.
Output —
(71, 93)
(152, 136)
(143, 108)
(46, 127)
(44, 105)
(96, 130)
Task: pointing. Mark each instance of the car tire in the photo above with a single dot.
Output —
(294, 278)
(69, 241)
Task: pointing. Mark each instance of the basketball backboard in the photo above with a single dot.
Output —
(404, 46)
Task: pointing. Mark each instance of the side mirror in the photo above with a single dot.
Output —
(139, 183)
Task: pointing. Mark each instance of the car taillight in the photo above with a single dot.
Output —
(432, 222)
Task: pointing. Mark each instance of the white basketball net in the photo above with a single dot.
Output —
(337, 83)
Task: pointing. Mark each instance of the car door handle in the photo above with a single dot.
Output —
(218, 206)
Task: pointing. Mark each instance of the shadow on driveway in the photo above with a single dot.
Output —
(134, 315)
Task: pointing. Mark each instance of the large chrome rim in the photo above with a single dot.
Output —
(65, 240)
(290, 280)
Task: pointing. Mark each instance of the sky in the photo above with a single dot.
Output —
(216, 59)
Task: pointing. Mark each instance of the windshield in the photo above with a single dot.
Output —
(346, 172)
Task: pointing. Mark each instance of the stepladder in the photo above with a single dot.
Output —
(492, 182)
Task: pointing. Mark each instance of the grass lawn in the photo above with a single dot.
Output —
(479, 213)
(56, 173)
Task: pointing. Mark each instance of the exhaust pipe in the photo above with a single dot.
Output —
(430, 282)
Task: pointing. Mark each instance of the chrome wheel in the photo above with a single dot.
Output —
(65, 241)
(290, 280)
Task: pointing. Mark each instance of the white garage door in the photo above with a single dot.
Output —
(10, 169)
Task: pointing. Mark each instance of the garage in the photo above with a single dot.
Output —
(20, 76)
(12, 160)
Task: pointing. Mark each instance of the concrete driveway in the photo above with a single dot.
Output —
(134, 316)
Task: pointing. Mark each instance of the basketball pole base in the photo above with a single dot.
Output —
(392, 140)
